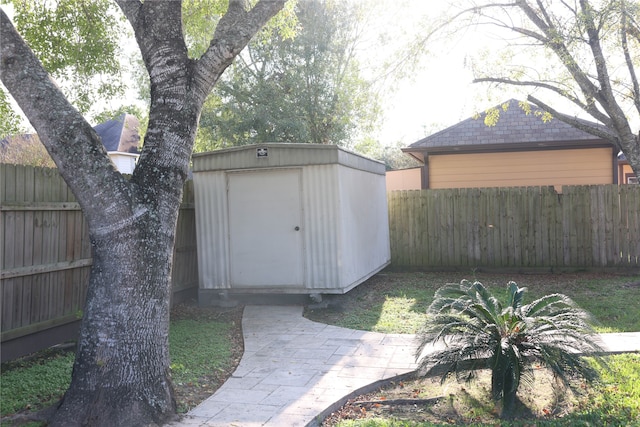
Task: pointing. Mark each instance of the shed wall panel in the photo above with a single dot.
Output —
(212, 229)
(320, 192)
(363, 224)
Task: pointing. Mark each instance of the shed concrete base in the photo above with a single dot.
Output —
(216, 298)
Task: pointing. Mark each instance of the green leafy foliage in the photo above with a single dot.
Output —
(200, 18)
(306, 88)
(78, 42)
(11, 122)
(391, 155)
(478, 331)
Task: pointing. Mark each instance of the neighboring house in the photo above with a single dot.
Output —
(404, 179)
(121, 139)
(519, 150)
(625, 173)
(119, 136)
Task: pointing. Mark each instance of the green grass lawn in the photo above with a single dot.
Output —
(203, 349)
(201, 346)
(395, 302)
(37, 383)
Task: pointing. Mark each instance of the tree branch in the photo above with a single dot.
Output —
(599, 131)
(589, 90)
(131, 10)
(233, 32)
(157, 26)
(71, 142)
(606, 96)
(578, 24)
(589, 108)
(624, 27)
(596, 49)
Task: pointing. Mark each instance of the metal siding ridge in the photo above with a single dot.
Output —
(283, 155)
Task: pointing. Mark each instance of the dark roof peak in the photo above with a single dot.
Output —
(120, 133)
(512, 122)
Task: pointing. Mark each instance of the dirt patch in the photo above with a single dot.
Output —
(427, 400)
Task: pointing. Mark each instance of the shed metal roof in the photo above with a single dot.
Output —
(278, 155)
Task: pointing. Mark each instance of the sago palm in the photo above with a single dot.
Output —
(470, 329)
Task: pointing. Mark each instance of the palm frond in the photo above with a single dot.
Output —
(475, 331)
(516, 295)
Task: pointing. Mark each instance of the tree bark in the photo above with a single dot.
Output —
(121, 372)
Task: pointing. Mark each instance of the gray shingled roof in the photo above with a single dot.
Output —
(514, 130)
(120, 134)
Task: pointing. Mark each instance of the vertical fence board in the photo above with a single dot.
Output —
(609, 227)
(533, 227)
(625, 244)
(41, 234)
(633, 215)
(423, 219)
(495, 208)
(583, 227)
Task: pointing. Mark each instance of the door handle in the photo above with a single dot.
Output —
(297, 228)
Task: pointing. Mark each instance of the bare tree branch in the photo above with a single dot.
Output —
(591, 109)
(605, 92)
(624, 28)
(589, 90)
(580, 35)
(599, 131)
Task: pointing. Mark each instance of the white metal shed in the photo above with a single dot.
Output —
(288, 218)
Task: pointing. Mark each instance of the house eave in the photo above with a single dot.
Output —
(420, 152)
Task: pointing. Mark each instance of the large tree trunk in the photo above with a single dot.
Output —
(121, 373)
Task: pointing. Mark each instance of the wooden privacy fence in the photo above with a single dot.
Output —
(521, 227)
(46, 258)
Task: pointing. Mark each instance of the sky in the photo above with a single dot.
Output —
(439, 95)
(440, 92)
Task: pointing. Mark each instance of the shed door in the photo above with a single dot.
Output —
(265, 228)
